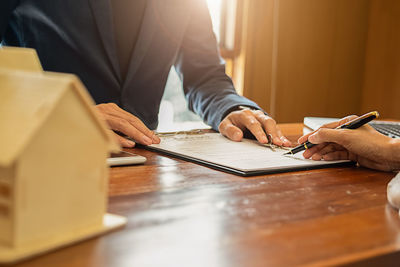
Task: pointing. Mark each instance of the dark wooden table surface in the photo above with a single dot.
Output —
(183, 214)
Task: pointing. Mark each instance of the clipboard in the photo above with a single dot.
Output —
(246, 158)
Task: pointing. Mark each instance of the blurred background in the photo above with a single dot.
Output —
(303, 58)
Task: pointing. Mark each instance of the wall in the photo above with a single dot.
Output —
(253, 68)
(321, 58)
(382, 70)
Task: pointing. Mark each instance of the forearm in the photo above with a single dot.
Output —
(214, 101)
(209, 91)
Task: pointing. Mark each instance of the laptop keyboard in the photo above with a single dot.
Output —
(391, 129)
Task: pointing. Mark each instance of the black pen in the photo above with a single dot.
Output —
(353, 124)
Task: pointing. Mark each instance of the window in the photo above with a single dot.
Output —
(174, 113)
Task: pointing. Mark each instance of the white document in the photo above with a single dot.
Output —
(316, 122)
(246, 158)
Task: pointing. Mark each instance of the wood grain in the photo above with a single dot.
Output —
(382, 65)
(320, 58)
(183, 214)
(305, 58)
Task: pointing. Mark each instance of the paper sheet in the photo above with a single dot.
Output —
(245, 156)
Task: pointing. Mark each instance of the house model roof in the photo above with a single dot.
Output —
(24, 59)
(27, 98)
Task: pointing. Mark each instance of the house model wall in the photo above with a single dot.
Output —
(53, 171)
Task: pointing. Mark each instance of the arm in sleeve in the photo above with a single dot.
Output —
(6, 9)
(208, 90)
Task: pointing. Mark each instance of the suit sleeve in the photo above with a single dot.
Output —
(6, 8)
(209, 91)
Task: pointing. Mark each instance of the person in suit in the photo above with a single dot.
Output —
(366, 146)
(123, 50)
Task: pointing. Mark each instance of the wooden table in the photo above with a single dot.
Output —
(183, 214)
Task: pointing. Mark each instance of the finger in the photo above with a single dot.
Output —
(125, 127)
(352, 156)
(255, 127)
(311, 151)
(270, 127)
(139, 125)
(337, 123)
(330, 136)
(115, 110)
(330, 125)
(304, 138)
(229, 130)
(336, 155)
(123, 141)
(155, 138)
(284, 140)
(261, 117)
(330, 148)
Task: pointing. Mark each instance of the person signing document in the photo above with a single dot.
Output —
(364, 145)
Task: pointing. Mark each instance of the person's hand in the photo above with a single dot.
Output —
(330, 125)
(365, 146)
(126, 123)
(259, 124)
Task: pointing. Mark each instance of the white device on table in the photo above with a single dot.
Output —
(124, 158)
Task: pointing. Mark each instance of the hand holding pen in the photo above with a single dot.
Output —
(352, 124)
(365, 145)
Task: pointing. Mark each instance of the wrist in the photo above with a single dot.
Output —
(237, 108)
(246, 108)
(242, 107)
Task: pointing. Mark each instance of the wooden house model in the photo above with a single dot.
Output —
(53, 151)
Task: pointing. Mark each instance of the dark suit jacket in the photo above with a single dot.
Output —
(76, 36)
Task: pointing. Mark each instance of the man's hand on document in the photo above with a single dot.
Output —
(127, 124)
(257, 122)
